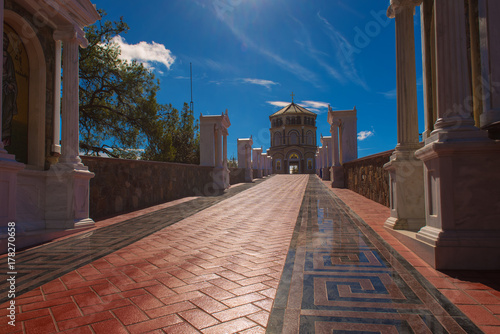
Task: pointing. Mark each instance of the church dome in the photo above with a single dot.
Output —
(292, 109)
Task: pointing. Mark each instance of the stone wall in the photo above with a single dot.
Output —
(121, 186)
(367, 177)
(236, 175)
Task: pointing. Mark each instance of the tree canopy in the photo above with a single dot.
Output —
(119, 114)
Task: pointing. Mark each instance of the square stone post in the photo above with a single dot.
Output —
(327, 157)
(263, 159)
(405, 170)
(336, 171)
(68, 180)
(257, 152)
(245, 157)
(462, 183)
(56, 136)
(213, 148)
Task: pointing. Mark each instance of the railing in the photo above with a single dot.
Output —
(367, 177)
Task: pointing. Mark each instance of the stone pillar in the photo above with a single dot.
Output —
(213, 148)
(68, 180)
(256, 161)
(405, 170)
(245, 157)
(327, 156)
(489, 32)
(263, 161)
(56, 137)
(336, 171)
(462, 183)
(70, 116)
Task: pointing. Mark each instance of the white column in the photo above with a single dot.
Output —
(56, 146)
(334, 130)
(405, 171)
(217, 142)
(489, 27)
(453, 84)
(403, 11)
(224, 148)
(70, 111)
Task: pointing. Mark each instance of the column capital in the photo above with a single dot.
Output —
(71, 33)
(397, 4)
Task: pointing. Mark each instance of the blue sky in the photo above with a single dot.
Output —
(249, 55)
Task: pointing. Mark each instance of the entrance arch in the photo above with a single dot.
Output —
(36, 88)
(294, 163)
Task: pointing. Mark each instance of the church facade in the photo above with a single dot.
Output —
(293, 140)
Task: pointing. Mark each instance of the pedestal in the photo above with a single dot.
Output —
(325, 174)
(68, 203)
(248, 175)
(337, 176)
(462, 211)
(220, 178)
(8, 189)
(406, 177)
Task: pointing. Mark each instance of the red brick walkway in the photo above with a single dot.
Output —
(475, 293)
(215, 272)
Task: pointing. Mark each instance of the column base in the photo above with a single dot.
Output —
(220, 177)
(9, 168)
(248, 175)
(67, 201)
(325, 173)
(337, 176)
(462, 211)
(406, 177)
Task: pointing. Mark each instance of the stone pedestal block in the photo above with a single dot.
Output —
(8, 188)
(337, 176)
(462, 211)
(68, 205)
(326, 174)
(221, 178)
(406, 183)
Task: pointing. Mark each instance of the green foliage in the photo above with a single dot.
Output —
(175, 138)
(119, 114)
(232, 162)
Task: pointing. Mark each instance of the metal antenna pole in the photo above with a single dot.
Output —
(191, 104)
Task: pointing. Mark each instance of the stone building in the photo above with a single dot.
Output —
(44, 186)
(293, 140)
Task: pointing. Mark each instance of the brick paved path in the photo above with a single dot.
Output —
(215, 271)
(280, 256)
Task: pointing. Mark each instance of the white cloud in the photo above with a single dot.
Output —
(145, 53)
(278, 103)
(391, 94)
(314, 104)
(365, 134)
(260, 82)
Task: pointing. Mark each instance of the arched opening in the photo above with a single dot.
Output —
(277, 139)
(293, 163)
(294, 137)
(32, 83)
(309, 138)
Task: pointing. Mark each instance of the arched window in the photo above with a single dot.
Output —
(277, 139)
(298, 120)
(309, 138)
(294, 138)
(288, 120)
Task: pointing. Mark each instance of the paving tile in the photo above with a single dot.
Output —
(198, 318)
(481, 315)
(169, 309)
(181, 328)
(130, 315)
(236, 312)
(109, 326)
(241, 300)
(154, 324)
(40, 325)
(85, 320)
(232, 326)
(66, 311)
(208, 304)
(146, 302)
